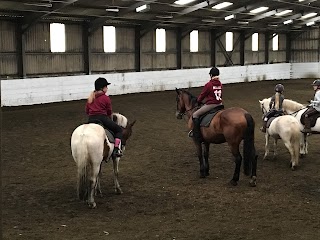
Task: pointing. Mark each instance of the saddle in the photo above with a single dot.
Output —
(313, 118)
(206, 119)
(109, 134)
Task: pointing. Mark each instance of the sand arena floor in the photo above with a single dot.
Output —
(163, 198)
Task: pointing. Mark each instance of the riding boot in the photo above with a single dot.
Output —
(307, 125)
(196, 130)
(116, 150)
(264, 127)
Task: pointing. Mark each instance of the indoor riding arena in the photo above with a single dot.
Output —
(147, 49)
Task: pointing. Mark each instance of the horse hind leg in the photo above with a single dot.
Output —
(237, 159)
(293, 147)
(93, 185)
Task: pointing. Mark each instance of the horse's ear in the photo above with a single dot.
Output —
(178, 90)
(114, 118)
(131, 124)
(260, 101)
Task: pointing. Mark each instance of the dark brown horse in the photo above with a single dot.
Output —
(231, 125)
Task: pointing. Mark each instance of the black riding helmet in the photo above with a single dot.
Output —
(279, 88)
(214, 72)
(100, 83)
(316, 83)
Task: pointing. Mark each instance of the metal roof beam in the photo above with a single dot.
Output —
(32, 19)
(197, 7)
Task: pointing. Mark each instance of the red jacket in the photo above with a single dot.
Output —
(212, 91)
(101, 105)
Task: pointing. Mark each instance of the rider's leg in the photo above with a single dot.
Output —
(307, 125)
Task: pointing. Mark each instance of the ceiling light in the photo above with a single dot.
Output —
(183, 2)
(39, 4)
(229, 17)
(301, 0)
(259, 9)
(288, 21)
(208, 20)
(283, 12)
(310, 23)
(243, 22)
(112, 9)
(308, 15)
(144, 7)
(273, 25)
(222, 5)
(165, 16)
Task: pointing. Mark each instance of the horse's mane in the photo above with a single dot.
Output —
(119, 119)
(192, 98)
(292, 105)
(288, 104)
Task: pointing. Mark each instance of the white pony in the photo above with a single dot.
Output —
(297, 109)
(90, 146)
(284, 127)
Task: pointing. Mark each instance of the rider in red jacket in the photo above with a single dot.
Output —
(212, 92)
(99, 108)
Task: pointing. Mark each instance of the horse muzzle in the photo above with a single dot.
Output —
(179, 115)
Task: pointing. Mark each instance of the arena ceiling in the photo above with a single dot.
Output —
(197, 14)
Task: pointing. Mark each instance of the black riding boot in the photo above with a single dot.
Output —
(196, 130)
(264, 127)
(307, 125)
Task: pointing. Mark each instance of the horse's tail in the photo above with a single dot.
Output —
(249, 151)
(81, 157)
(295, 143)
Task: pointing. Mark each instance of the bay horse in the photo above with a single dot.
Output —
(284, 127)
(90, 146)
(297, 109)
(231, 125)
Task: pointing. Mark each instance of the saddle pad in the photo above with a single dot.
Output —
(109, 135)
(269, 121)
(313, 119)
(206, 120)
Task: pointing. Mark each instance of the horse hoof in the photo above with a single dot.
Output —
(118, 191)
(253, 182)
(202, 175)
(92, 205)
(293, 168)
(233, 182)
(302, 155)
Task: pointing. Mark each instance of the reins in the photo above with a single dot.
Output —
(297, 111)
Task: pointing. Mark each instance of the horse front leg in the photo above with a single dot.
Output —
(303, 144)
(267, 136)
(206, 159)
(98, 188)
(117, 188)
(201, 160)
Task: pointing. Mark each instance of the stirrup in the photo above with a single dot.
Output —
(117, 153)
(190, 134)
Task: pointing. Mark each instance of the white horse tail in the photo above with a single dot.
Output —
(295, 143)
(81, 157)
